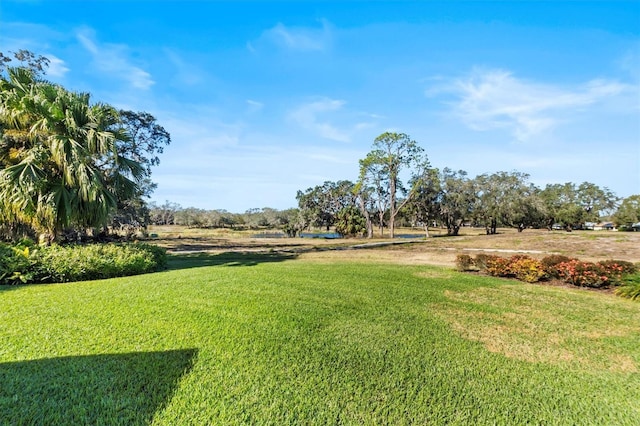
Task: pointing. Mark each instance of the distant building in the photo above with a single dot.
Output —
(604, 226)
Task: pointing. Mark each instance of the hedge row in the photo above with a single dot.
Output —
(573, 271)
(26, 263)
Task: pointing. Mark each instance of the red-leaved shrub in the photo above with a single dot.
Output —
(551, 262)
(584, 274)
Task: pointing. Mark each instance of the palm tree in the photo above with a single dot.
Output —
(58, 158)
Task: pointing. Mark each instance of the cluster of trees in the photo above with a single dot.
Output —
(289, 221)
(397, 184)
(173, 214)
(67, 165)
(429, 196)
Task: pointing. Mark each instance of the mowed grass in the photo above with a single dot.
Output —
(271, 339)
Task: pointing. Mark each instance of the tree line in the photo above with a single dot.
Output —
(69, 167)
(170, 213)
(397, 185)
(396, 181)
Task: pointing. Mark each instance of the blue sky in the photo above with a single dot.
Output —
(265, 98)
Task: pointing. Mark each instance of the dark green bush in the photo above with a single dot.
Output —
(78, 262)
(16, 265)
(630, 287)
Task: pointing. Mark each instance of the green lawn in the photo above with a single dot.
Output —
(271, 339)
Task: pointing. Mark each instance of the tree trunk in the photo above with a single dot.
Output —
(426, 230)
(367, 216)
(392, 225)
(392, 202)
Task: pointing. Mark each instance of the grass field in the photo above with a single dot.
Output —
(440, 250)
(282, 338)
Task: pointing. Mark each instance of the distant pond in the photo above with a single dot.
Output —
(325, 235)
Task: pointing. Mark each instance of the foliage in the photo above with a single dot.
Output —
(36, 64)
(464, 262)
(527, 269)
(630, 287)
(59, 163)
(380, 172)
(551, 262)
(499, 267)
(507, 199)
(584, 274)
(97, 261)
(146, 139)
(457, 200)
(292, 222)
(628, 212)
(618, 268)
(350, 222)
(28, 264)
(16, 265)
(164, 214)
(573, 206)
(482, 260)
(321, 204)
(423, 207)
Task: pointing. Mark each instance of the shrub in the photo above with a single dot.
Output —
(464, 262)
(551, 262)
(482, 260)
(522, 267)
(630, 287)
(77, 263)
(616, 269)
(96, 261)
(159, 254)
(15, 264)
(527, 269)
(584, 274)
(350, 222)
(498, 266)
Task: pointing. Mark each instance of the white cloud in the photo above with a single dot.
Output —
(298, 38)
(307, 117)
(254, 106)
(112, 59)
(320, 117)
(57, 67)
(493, 99)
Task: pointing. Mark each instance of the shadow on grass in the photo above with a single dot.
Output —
(196, 260)
(125, 389)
